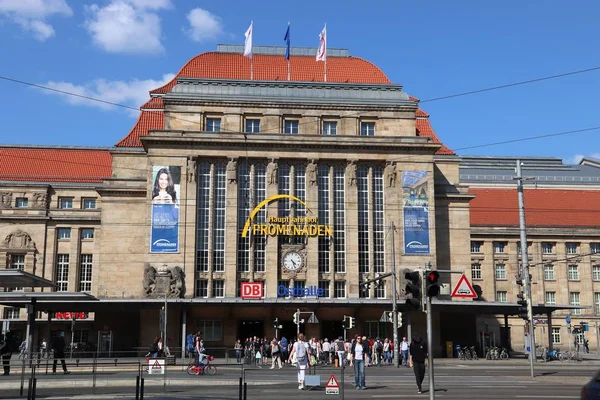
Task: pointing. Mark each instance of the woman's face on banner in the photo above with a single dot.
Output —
(163, 181)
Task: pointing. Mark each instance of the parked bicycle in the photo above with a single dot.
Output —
(467, 353)
(497, 353)
(202, 369)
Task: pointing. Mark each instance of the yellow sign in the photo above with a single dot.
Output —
(291, 226)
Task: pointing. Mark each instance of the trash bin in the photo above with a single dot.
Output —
(456, 349)
(449, 349)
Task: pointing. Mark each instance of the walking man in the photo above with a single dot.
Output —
(58, 345)
(418, 355)
(404, 351)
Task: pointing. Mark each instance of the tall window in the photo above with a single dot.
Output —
(329, 128)
(64, 233)
(597, 302)
(475, 271)
(547, 248)
(556, 335)
(501, 296)
(203, 201)
(595, 248)
(17, 261)
(218, 289)
(65, 202)
(283, 205)
(380, 290)
(260, 194)
(252, 125)
(573, 274)
(212, 330)
(85, 275)
(378, 222)
(572, 248)
(575, 301)
(499, 247)
(324, 286)
(323, 204)
(219, 209)
(362, 183)
(596, 272)
(202, 288)
(11, 313)
(299, 192)
(475, 247)
(88, 204)
(500, 271)
(340, 289)
(62, 272)
(339, 218)
(87, 233)
(548, 272)
(213, 124)
(290, 127)
(367, 128)
(243, 246)
(550, 298)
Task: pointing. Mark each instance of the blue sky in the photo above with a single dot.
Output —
(433, 48)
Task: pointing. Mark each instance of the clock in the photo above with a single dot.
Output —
(292, 261)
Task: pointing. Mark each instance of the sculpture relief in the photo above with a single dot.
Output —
(5, 199)
(272, 170)
(191, 170)
(232, 171)
(311, 173)
(165, 280)
(19, 240)
(391, 174)
(40, 200)
(351, 173)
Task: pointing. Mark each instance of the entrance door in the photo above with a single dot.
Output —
(251, 328)
(331, 330)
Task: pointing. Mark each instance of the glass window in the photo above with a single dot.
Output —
(22, 202)
(475, 271)
(378, 222)
(595, 248)
(323, 210)
(219, 210)
(367, 128)
(213, 124)
(329, 128)
(362, 183)
(572, 248)
(11, 313)
(519, 248)
(64, 233)
(85, 278)
(238, 289)
(285, 284)
(260, 194)
(218, 289)
(363, 290)
(89, 204)
(501, 296)
(547, 248)
(252, 125)
(573, 272)
(556, 335)
(290, 127)
(324, 285)
(243, 243)
(596, 272)
(81, 336)
(500, 271)
(597, 302)
(212, 331)
(202, 288)
(340, 289)
(549, 272)
(339, 218)
(575, 301)
(475, 247)
(283, 205)
(299, 192)
(499, 247)
(87, 233)
(65, 202)
(380, 290)
(62, 272)
(550, 298)
(17, 261)
(203, 216)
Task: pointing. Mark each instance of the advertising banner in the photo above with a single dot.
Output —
(415, 201)
(166, 182)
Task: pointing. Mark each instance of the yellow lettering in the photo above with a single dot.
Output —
(312, 229)
(296, 230)
(255, 228)
(328, 230)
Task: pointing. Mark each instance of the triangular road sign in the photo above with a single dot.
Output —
(313, 319)
(463, 289)
(157, 365)
(332, 382)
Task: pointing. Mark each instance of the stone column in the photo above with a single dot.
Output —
(271, 248)
(211, 226)
(74, 261)
(231, 231)
(393, 213)
(351, 276)
(371, 236)
(312, 199)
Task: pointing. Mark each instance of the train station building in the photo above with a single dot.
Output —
(298, 190)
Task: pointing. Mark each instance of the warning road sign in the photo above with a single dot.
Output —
(156, 366)
(463, 289)
(332, 387)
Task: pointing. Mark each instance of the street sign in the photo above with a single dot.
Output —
(313, 319)
(385, 317)
(463, 289)
(156, 366)
(332, 387)
(568, 319)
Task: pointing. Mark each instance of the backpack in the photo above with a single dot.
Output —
(189, 343)
(379, 346)
(301, 352)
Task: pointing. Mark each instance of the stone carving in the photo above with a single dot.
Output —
(5, 199)
(390, 174)
(311, 173)
(40, 200)
(272, 170)
(191, 170)
(163, 280)
(19, 240)
(232, 171)
(351, 173)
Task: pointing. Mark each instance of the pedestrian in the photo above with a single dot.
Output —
(275, 354)
(418, 354)
(58, 345)
(359, 353)
(404, 349)
(238, 351)
(8, 345)
(302, 353)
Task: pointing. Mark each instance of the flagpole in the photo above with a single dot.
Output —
(251, 68)
(325, 63)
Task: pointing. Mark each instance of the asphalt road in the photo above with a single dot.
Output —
(457, 380)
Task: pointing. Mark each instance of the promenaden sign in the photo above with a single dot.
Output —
(289, 226)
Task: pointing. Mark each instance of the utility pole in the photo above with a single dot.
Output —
(525, 262)
(297, 323)
(164, 332)
(394, 300)
(429, 335)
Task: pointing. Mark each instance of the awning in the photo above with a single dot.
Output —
(15, 278)
(46, 301)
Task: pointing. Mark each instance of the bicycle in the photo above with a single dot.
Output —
(202, 369)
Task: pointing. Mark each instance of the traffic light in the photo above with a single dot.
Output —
(390, 316)
(414, 295)
(399, 320)
(352, 323)
(432, 287)
(522, 302)
(276, 323)
(344, 324)
(296, 318)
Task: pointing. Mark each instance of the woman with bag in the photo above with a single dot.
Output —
(301, 352)
(275, 354)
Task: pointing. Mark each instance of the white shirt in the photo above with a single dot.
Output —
(326, 347)
(358, 351)
(404, 346)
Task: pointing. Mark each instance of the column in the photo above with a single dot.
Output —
(272, 251)
(183, 331)
(74, 251)
(312, 248)
(351, 209)
(549, 316)
(231, 235)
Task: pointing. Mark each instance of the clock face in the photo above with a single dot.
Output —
(292, 261)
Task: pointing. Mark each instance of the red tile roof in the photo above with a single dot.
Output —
(54, 165)
(155, 103)
(424, 129)
(543, 207)
(147, 121)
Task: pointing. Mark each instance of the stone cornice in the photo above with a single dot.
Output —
(277, 103)
(121, 191)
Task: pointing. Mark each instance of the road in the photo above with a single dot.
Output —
(488, 380)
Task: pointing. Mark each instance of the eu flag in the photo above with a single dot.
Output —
(287, 43)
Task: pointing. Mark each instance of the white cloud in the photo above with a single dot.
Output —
(133, 93)
(31, 15)
(577, 158)
(127, 26)
(204, 25)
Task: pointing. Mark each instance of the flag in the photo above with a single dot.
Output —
(248, 43)
(322, 50)
(287, 42)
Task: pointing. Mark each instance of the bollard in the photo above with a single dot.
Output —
(142, 389)
(245, 390)
(22, 379)
(240, 389)
(137, 387)
(29, 388)
(33, 390)
(336, 363)
(342, 384)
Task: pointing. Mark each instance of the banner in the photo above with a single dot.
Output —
(415, 201)
(164, 236)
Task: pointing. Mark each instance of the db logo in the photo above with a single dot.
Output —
(251, 290)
